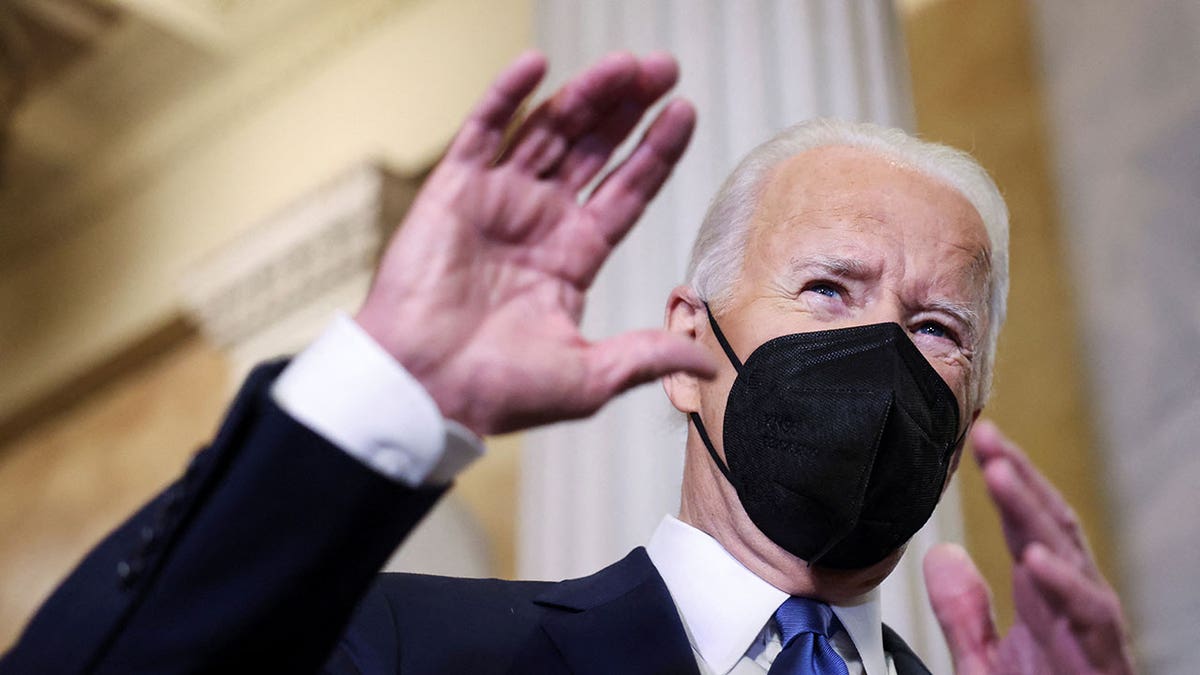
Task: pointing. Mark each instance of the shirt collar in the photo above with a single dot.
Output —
(725, 606)
(863, 620)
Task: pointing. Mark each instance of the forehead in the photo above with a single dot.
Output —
(853, 203)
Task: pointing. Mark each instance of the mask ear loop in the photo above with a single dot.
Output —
(695, 417)
(712, 321)
(955, 445)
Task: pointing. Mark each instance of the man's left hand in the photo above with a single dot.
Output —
(1069, 620)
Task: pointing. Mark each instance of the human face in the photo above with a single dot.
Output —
(841, 237)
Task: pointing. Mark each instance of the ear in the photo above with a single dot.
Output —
(685, 315)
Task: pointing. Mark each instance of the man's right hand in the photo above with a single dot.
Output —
(480, 293)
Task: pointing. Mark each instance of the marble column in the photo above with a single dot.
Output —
(594, 489)
(1122, 85)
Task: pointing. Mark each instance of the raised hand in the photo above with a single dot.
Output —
(480, 292)
(1069, 620)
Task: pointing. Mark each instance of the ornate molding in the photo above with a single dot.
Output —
(250, 53)
(38, 40)
(216, 25)
(271, 289)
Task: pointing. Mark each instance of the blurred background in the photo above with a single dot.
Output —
(190, 186)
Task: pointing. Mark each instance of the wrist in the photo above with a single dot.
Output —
(425, 357)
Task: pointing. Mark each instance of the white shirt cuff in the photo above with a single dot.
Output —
(351, 392)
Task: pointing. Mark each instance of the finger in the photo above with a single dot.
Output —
(627, 360)
(963, 607)
(1031, 509)
(1092, 609)
(658, 73)
(624, 193)
(1079, 597)
(991, 444)
(482, 135)
(1049, 630)
(1022, 517)
(543, 139)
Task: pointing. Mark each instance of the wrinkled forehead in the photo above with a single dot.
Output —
(847, 175)
(845, 201)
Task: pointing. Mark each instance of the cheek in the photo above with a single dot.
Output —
(713, 396)
(958, 376)
(714, 393)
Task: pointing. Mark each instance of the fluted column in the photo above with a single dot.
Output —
(594, 489)
(1122, 87)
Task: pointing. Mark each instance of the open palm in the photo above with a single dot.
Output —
(480, 293)
(1069, 620)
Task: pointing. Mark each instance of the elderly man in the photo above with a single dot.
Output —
(832, 349)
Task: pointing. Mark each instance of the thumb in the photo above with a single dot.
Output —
(962, 604)
(627, 360)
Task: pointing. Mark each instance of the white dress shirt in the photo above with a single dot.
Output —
(350, 391)
(726, 609)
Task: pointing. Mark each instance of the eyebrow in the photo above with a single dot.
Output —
(838, 266)
(858, 269)
(961, 311)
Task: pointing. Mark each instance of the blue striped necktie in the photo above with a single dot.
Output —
(805, 627)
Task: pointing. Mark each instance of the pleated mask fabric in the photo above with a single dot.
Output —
(838, 442)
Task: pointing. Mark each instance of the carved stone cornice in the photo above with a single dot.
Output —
(271, 289)
(13, 68)
(38, 40)
(129, 116)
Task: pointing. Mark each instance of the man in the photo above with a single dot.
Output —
(839, 277)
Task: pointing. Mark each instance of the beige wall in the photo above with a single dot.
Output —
(975, 86)
(64, 484)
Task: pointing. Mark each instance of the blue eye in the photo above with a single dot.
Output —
(934, 329)
(828, 290)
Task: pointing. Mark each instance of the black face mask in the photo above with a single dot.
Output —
(838, 441)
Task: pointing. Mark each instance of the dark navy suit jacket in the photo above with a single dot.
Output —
(255, 559)
(619, 620)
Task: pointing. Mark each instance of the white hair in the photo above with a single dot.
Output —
(720, 248)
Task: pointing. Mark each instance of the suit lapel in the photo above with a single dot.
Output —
(619, 620)
(906, 661)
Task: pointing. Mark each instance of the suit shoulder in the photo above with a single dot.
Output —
(423, 623)
(425, 593)
(429, 605)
